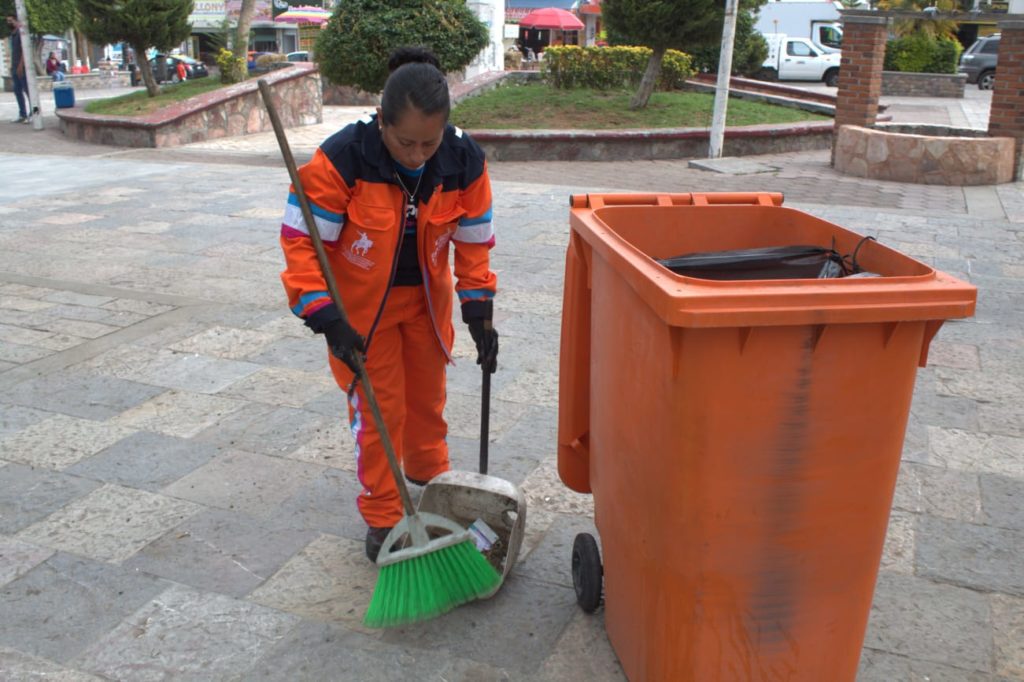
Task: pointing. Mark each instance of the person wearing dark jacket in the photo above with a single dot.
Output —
(18, 70)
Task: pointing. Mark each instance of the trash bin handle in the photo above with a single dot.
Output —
(596, 201)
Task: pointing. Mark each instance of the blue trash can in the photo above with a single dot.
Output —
(64, 96)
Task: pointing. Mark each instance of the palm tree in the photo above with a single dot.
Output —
(933, 28)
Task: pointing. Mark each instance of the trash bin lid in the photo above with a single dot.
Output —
(629, 232)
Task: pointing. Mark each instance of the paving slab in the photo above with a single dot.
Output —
(186, 634)
(958, 635)
(225, 552)
(29, 494)
(82, 599)
(60, 441)
(110, 523)
(82, 394)
(145, 461)
(243, 481)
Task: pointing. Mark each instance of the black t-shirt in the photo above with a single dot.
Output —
(408, 273)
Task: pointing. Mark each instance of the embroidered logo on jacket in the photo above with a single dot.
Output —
(440, 244)
(356, 253)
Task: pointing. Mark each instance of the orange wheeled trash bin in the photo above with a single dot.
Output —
(741, 438)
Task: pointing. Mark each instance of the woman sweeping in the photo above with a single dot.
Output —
(391, 194)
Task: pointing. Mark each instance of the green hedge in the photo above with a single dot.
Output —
(920, 53)
(605, 68)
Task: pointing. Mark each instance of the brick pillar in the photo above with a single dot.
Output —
(860, 71)
(1006, 117)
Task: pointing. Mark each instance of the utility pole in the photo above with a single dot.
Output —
(722, 86)
(34, 112)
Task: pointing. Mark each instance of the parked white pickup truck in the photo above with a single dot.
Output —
(798, 59)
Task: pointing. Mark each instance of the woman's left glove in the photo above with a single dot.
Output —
(477, 315)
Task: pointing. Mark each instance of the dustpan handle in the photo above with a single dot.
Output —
(485, 415)
(328, 274)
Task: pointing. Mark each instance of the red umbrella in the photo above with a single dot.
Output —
(551, 18)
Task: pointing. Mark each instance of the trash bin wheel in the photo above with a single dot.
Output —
(587, 573)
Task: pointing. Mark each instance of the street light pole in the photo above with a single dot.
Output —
(722, 86)
(34, 112)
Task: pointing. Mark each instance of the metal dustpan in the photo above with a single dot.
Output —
(491, 508)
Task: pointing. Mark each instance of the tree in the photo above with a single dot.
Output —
(241, 46)
(749, 51)
(660, 25)
(140, 23)
(926, 25)
(353, 47)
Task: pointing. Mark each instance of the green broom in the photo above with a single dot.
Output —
(430, 577)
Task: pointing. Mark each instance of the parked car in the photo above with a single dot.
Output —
(193, 68)
(798, 59)
(979, 61)
(298, 56)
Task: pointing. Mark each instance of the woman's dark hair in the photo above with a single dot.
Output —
(415, 81)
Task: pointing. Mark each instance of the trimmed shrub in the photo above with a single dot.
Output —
(606, 68)
(353, 47)
(265, 61)
(921, 53)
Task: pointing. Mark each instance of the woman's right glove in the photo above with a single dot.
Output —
(344, 342)
(477, 315)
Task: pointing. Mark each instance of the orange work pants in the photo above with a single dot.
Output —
(407, 367)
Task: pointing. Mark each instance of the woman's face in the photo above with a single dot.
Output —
(414, 136)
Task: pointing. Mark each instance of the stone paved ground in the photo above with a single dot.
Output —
(176, 493)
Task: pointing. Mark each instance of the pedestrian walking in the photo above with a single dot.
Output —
(391, 195)
(182, 71)
(18, 70)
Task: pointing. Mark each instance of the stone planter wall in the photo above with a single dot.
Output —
(347, 96)
(928, 155)
(228, 112)
(629, 145)
(95, 80)
(899, 84)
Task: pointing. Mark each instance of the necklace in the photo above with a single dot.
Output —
(411, 195)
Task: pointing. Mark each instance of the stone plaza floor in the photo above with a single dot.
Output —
(176, 476)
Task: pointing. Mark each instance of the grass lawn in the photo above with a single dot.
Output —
(139, 103)
(536, 105)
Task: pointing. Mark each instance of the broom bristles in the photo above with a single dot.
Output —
(426, 586)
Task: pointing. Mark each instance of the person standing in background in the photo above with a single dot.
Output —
(18, 70)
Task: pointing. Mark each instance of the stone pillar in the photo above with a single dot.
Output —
(1006, 117)
(860, 71)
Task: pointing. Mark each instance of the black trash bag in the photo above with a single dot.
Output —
(773, 262)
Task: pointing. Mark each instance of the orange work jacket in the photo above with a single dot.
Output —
(360, 211)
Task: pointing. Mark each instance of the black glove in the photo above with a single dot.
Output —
(344, 342)
(477, 314)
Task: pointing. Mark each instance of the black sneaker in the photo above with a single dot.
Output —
(374, 540)
(415, 481)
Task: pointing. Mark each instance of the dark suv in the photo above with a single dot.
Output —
(979, 61)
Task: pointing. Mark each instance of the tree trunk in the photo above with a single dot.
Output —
(241, 47)
(146, 71)
(37, 55)
(650, 79)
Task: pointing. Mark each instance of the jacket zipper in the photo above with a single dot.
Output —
(391, 279)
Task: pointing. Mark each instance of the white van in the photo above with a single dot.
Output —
(798, 59)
